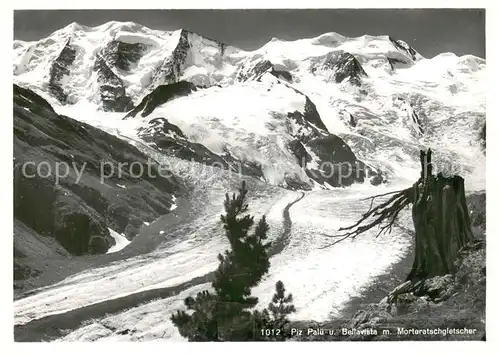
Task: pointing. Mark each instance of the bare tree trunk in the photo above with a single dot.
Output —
(441, 220)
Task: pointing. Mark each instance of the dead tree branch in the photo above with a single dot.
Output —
(383, 215)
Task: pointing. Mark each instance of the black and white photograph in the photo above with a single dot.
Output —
(260, 175)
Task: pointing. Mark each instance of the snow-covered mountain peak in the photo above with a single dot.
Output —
(117, 62)
(364, 89)
(301, 49)
(124, 61)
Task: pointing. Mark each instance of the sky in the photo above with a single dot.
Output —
(429, 31)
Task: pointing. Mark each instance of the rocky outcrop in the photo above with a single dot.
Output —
(476, 204)
(255, 71)
(416, 122)
(51, 209)
(161, 95)
(282, 75)
(170, 140)
(300, 152)
(33, 253)
(482, 136)
(334, 162)
(342, 66)
(68, 187)
(60, 68)
(111, 87)
(310, 118)
(337, 165)
(352, 121)
(123, 55)
(396, 63)
(171, 68)
(311, 115)
(404, 47)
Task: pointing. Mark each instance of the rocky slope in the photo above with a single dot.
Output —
(72, 213)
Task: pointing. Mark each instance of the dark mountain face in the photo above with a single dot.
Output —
(161, 95)
(255, 72)
(282, 75)
(396, 63)
(344, 66)
(403, 47)
(60, 68)
(344, 168)
(482, 136)
(173, 66)
(112, 88)
(260, 68)
(117, 55)
(170, 140)
(170, 70)
(123, 55)
(72, 211)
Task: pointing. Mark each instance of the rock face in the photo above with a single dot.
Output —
(172, 67)
(283, 75)
(339, 166)
(170, 140)
(255, 71)
(404, 47)
(334, 162)
(415, 120)
(161, 95)
(476, 204)
(343, 66)
(311, 115)
(112, 88)
(396, 63)
(68, 189)
(59, 69)
(123, 55)
(482, 136)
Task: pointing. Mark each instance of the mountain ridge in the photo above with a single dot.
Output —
(182, 44)
(367, 86)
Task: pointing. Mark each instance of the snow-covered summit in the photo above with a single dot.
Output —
(376, 92)
(116, 64)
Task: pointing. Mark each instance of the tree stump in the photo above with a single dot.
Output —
(441, 221)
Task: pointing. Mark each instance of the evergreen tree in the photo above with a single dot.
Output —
(281, 306)
(274, 319)
(224, 314)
